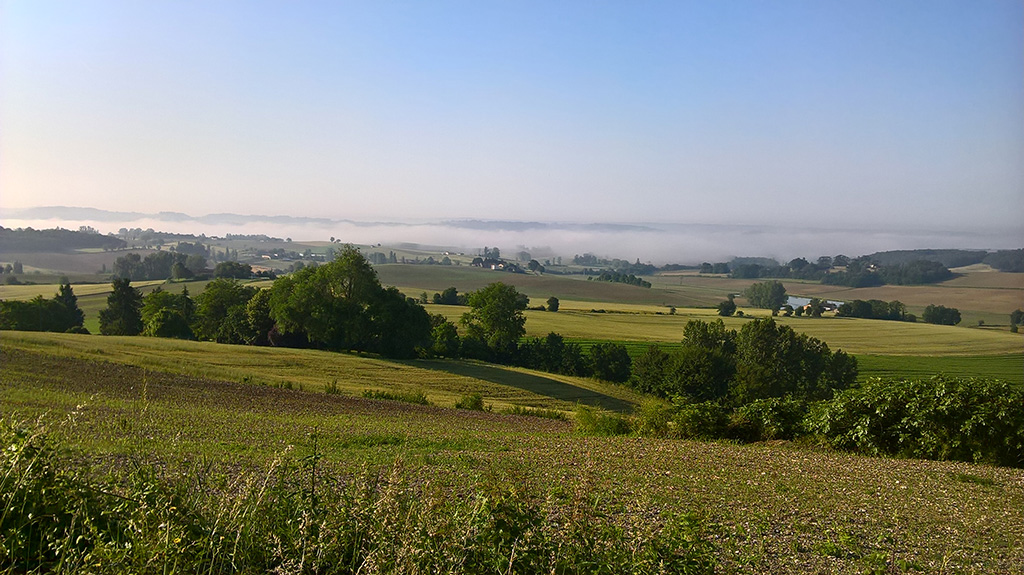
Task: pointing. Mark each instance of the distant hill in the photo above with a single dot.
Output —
(1002, 260)
(948, 258)
(55, 240)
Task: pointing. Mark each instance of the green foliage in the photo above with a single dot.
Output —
(591, 421)
(296, 516)
(1007, 260)
(703, 420)
(234, 270)
(873, 309)
(472, 401)
(71, 314)
(941, 315)
(165, 314)
(772, 360)
(221, 312)
(554, 355)
(1017, 317)
(60, 314)
(445, 340)
(257, 318)
(123, 315)
(767, 419)
(450, 296)
(609, 362)
(727, 307)
(624, 278)
(496, 317)
(342, 305)
(961, 419)
(535, 412)
(699, 373)
(915, 273)
(167, 322)
(418, 397)
(763, 360)
(552, 303)
(766, 295)
(652, 417)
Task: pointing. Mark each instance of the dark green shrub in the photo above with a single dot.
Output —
(962, 419)
(706, 420)
(767, 419)
(473, 401)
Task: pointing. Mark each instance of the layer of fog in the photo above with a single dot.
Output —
(654, 243)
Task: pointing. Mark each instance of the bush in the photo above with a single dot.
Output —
(653, 418)
(959, 419)
(417, 397)
(767, 419)
(609, 362)
(473, 401)
(705, 420)
(535, 412)
(591, 421)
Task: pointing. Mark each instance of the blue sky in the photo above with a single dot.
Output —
(895, 113)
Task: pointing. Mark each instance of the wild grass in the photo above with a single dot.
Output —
(535, 412)
(295, 515)
(766, 508)
(417, 397)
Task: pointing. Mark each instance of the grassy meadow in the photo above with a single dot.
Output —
(766, 508)
(213, 423)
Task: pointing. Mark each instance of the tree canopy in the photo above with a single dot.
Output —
(342, 305)
(123, 315)
(496, 317)
(766, 295)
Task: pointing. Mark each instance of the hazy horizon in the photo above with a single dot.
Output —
(654, 242)
(903, 118)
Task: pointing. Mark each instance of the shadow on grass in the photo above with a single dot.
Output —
(529, 382)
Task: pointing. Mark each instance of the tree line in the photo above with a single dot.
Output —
(58, 314)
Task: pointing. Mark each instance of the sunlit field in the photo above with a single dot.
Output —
(776, 508)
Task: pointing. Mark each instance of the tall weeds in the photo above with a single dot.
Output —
(294, 517)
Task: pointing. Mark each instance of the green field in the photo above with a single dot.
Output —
(856, 336)
(444, 382)
(765, 508)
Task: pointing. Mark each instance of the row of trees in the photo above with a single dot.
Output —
(159, 266)
(875, 309)
(762, 360)
(60, 313)
(619, 277)
(337, 306)
(941, 315)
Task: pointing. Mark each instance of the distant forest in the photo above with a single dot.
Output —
(899, 267)
(896, 267)
(56, 240)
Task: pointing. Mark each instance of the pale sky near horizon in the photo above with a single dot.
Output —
(894, 112)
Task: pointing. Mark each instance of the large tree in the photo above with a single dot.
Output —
(71, 314)
(496, 317)
(123, 315)
(342, 305)
(220, 311)
(766, 295)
